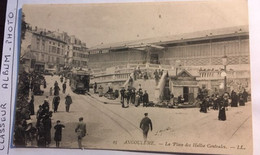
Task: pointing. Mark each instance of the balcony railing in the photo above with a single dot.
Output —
(106, 78)
(216, 74)
(122, 72)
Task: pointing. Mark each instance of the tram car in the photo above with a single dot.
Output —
(79, 81)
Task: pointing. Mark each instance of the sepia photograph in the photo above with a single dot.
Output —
(169, 77)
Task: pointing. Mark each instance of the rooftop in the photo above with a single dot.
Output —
(214, 33)
(56, 35)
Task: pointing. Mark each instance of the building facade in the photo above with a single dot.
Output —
(53, 50)
(199, 52)
(197, 49)
(77, 55)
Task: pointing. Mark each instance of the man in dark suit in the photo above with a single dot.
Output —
(68, 102)
(145, 124)
(145, 99)
(56, 102)
(122, 93)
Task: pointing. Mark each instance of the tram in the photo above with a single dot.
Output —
(79, 81)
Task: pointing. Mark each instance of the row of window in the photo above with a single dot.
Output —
(79, 48)
(38, 38)
(52, 59)
(118, 56)
(80, 55)
(200, 50)
(53, 49)
(79, 63)
(42, 46)
(215, 49)
(53, 43)
(98, 52)
(208, 61)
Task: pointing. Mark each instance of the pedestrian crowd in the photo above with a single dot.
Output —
(134, 97)
(138, 96)
(26, 133)
(36, 80)
(221, 102)
(138, 74)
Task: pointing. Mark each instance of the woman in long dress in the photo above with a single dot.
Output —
(222, 109)
(234, 98)
(58, 133)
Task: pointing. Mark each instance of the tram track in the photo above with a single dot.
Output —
(92, 99)
(116, 118)
(116, 114)
(131, 128)
(239, 127)
(129, 122)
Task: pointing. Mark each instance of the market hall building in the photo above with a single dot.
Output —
(199, 53)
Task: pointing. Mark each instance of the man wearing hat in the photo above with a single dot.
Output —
(81, 131)
(68, 102)
(56, 102)
(145, 124)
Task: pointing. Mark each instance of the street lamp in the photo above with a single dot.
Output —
(224, 62)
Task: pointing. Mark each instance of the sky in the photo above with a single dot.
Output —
(117, 22)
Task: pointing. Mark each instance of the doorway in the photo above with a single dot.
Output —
(186, 94)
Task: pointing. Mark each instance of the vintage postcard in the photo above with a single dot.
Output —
(169, 77)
